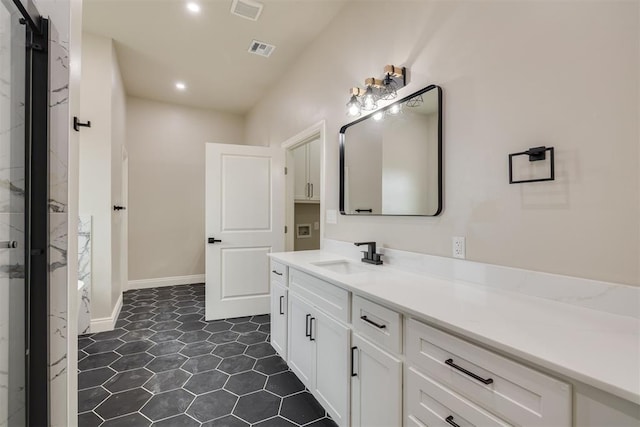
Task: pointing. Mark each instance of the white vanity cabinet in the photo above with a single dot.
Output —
(376, 367)
(306, 160)
(279, 308)
(472, 382)
(319, 343)
(376, 385)
(375, 364)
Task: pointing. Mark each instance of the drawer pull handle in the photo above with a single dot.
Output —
(311, 338)
(273, 271)
(281, 299)
(449, 419)
(471, 374)
(306, 326)
(366, 319)
(353, 361)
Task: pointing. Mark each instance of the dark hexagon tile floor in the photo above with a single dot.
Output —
(165, 366)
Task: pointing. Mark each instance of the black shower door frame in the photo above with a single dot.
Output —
(36, 208)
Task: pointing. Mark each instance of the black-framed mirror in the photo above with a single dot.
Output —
(391, 161)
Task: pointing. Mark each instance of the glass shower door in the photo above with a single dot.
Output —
(12, 217)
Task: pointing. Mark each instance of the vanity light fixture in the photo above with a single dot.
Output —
(181, 86)
(377, 89)
(369, 100)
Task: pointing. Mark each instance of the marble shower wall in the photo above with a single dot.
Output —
(84, 274)
(59, 119)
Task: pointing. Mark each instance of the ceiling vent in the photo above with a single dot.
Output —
(261, 48)
(247, 9)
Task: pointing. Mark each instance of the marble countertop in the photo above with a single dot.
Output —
(597, 348)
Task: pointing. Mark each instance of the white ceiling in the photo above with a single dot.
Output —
(158, 42)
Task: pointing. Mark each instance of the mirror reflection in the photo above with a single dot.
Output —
(391, 160)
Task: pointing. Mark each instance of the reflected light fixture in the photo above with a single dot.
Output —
(181, 86)
(395, 109)
(377, 89)
(378, 116)
(353, 106)
(416, 101)
(193, 7)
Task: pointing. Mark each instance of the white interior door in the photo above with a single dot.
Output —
(245, 215)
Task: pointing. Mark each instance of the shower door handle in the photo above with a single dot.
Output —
(9, 244)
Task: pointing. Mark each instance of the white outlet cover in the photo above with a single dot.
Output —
(459, 247)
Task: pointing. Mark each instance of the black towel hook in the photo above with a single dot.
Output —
(77, 124)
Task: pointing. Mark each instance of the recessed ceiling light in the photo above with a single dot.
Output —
(193, 7)
(181, 86)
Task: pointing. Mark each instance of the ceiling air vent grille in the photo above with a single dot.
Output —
(247, 9)
(261, 48)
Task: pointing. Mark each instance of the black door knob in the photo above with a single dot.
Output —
(119, 208)
(214, 240)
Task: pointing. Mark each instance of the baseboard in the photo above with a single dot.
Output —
(166, 281)
(102, 324)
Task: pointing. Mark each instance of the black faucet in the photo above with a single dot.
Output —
(370, 256)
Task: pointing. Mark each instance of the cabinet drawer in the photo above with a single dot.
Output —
(517, 394)
(279, 273)
(380, 324)
(429, 403)
(330, 298)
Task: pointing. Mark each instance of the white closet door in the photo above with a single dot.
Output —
(300, 186)
(314, 153)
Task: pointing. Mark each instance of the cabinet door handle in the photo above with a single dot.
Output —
(311, 190)
(306, 326)
(311, 329)
(366, 319)
(353, 361)
(449, 419)
(281, 300)
(308, 190)
(274, 271)
(471, 374)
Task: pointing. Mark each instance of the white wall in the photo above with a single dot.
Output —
(102, 102)
(166, 184)
(515, 75)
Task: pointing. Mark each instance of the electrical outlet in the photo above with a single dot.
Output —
(316, 225)
(459, 249)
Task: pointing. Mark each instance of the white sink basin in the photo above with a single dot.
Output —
(342, 267)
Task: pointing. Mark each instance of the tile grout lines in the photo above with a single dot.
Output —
(164, 365)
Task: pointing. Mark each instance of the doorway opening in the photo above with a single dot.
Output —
(305, 189)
